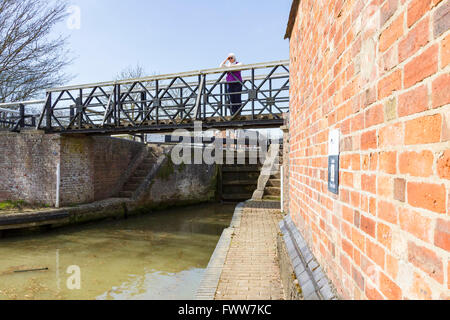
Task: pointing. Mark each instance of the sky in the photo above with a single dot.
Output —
(170, 36)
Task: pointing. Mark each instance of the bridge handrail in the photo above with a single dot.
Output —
(9, 111)
(33, 102)
(18, 103)
(150, 104)
(261, 65)
(176, 86)
(15, 119)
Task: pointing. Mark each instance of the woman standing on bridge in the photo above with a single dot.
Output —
(234, 83)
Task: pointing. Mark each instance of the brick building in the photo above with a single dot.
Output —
(379, 72)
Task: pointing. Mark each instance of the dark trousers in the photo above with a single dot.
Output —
(234, 90)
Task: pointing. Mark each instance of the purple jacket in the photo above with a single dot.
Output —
(236, 74)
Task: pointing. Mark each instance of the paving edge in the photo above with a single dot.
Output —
(310, 275)
(211, 277)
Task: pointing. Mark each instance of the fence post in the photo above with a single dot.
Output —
(156, 103)
(181, 108)
(72, 112)
(205, 97)
(79, 107)
(253, 93)
(48, 112)
(118, 105)
(22, 116)
(143, 104)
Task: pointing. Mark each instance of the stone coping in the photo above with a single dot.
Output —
(211, 277)
(62, 216)
(311, 277)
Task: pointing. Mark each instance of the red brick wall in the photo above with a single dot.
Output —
(28, 167)
(285, 164)
(378, 71)
(92, 168)
(77, 171)
(111, 158)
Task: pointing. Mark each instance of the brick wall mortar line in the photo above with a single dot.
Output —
(425, 212)
(398, 66)
(378, 220)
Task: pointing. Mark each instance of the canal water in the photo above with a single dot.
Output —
(161, 255)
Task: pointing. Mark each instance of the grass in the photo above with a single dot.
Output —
(12, 205)
(19, 206)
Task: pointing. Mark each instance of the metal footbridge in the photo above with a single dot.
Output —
(161, 103)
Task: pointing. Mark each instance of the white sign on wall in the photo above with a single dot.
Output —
(334, 142)
(333, 161)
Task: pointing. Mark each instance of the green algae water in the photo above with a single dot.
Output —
(158, 256)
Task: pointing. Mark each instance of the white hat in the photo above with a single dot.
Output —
(232, 55)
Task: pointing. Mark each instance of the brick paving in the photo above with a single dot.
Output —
(251, 270)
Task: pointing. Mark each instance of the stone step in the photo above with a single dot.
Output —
(272, 191)
(275, 176)
(130, 186)
(242, 154)
(274, 183)
(240, 189)
(145, 166)
(235, 164)
(125, 194)
(140, 173)
(148, 161)
(136, 179)
(240, 183)
(246, 163)
(241, 168)
(272, 198)
(252, 175)
(237, 196)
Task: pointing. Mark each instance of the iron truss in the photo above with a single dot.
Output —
(168, 102)
(14, 116)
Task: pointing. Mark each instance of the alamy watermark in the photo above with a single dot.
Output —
(73, 281)
(248, 147)
(74, 18)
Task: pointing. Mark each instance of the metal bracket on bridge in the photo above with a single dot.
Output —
(270, 101)
(157, 102)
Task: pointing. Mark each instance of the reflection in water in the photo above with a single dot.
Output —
(157, 256)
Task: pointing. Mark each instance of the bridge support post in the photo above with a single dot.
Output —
(79, 107)
(156, 103)
(252, 95)
(118, 105)
(181, 108)
(72, 113)
(48, 112)
(205, 97)
(115, 102)
(22, 116)
(143, 104)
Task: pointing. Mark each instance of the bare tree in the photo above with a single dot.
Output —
(170, 105)
(30, 60)
(131, 72)
(138, 71)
